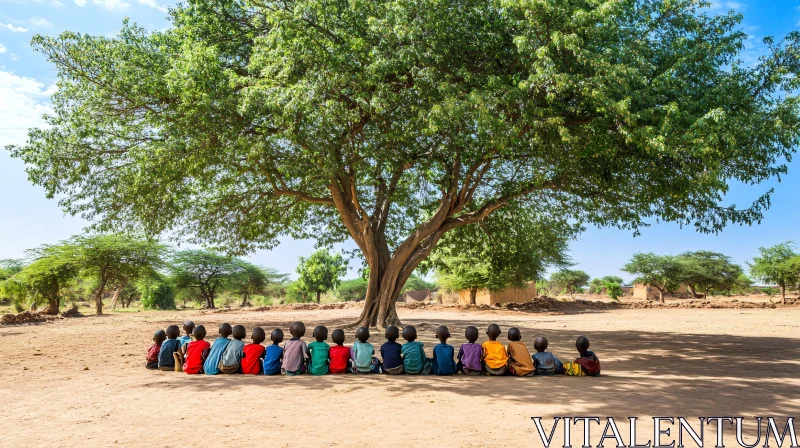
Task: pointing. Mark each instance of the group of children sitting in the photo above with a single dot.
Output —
(192, 354)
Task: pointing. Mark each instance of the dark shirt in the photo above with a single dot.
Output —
(165, 355)
(390, 352)
(443, 363)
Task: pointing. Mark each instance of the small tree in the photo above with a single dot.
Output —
(708, 271)
(321, 272)
(157, 294)
(251, 279)
(43, 279)
(204, 271)
(569, 280)
(663, 272)
(776, 265)
(614, 290)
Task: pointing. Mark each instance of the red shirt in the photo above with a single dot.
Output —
(152, 353)
(194, 356)
(340, 356)
(251, 363)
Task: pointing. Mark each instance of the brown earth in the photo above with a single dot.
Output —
(82, 381)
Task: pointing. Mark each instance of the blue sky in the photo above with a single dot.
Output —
(28, 219)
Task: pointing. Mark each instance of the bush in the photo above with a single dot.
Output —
(613, 290)
(158, 296)
(354, 289)
(293, 294)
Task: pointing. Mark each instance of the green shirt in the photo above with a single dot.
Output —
(319, 358)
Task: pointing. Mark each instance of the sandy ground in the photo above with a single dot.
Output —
(656, 362)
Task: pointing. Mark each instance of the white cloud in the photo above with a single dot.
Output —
(717, 5)
(16, 29)
(40, 22)
(80, 3)
(23, 102)
(153, 4)
(111, 4)
(2, 49)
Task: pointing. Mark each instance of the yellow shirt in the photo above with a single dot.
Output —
(494, 354)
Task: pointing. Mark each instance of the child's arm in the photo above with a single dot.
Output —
(205, 353)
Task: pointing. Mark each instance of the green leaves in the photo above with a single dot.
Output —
(320, 272)
(779, 265)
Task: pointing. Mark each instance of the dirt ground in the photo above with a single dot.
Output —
(82, 381)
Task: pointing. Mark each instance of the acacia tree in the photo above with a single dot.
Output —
(663, 272)
(777, 265)
(395, 122)
(251, 279)
(709, 271)
(204, 271)
(320, 272)
(570, 280)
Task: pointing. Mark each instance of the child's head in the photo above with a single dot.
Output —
(225, 330)
(188, 327)
(239, 332)
(199, 333)
(173, 332)
(442, 333)
(338, 336)
(297, 329)
(362, 334)
(493, 332)
(514, 334)
(258, 335)
(159, 336)
(320, 333)
(409, 333)
(276, 336)
(582, 344)
(392, 333)
(540, 344)
(471, 333)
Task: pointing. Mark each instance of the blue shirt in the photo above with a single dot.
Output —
(168, 347)
(272, 360)
(185, 339)
(211, 366)
(233, 354)
(390, 352)
(443, 363)
(361, 353)
(413, 357)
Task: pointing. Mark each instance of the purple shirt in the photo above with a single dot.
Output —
(295, 352)
(470, 355)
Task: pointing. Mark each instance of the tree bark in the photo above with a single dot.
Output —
(98, 298)
(244, 300)
(53, 304)
(783, 294)
(660, 295)
(473, 293)
(318, 294)
(115, 296)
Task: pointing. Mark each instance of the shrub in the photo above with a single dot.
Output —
(354, 289)
(613, 290)
(158, 296)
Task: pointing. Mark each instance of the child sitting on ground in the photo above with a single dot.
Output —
(197, 351)
(231, 361)
(339, 354)
(254, 353)
(295, 351)
(362, 353)
(520, 362)
(166, 355)
(470, 354)
(587, 363)
(544, 362)
(273, 355)
(319, 350)
(443, 363)
(212, 363)
(152, 353)
(414, 360)
(495, 357)
(188, 329)
(391, 352)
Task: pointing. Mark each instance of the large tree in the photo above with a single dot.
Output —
(395, 122)
(709, 271)
(206, 272)
(569, 280)
(778, 265)
(663, 272)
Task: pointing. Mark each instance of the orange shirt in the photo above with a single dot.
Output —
(494, 354)
(521, 362)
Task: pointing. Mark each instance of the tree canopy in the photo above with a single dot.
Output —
(778, 264)
(709, 271)
(395, 122)
(204, 271)
(569, 280)
(320, 272)
(663, 272)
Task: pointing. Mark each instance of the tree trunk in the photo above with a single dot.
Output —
(244, 300)
(53, 304)
(98, 298)
(693, 290)
(661, 295)
(783, 294)
(318, 294)
(115, 296)
(473, 296)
